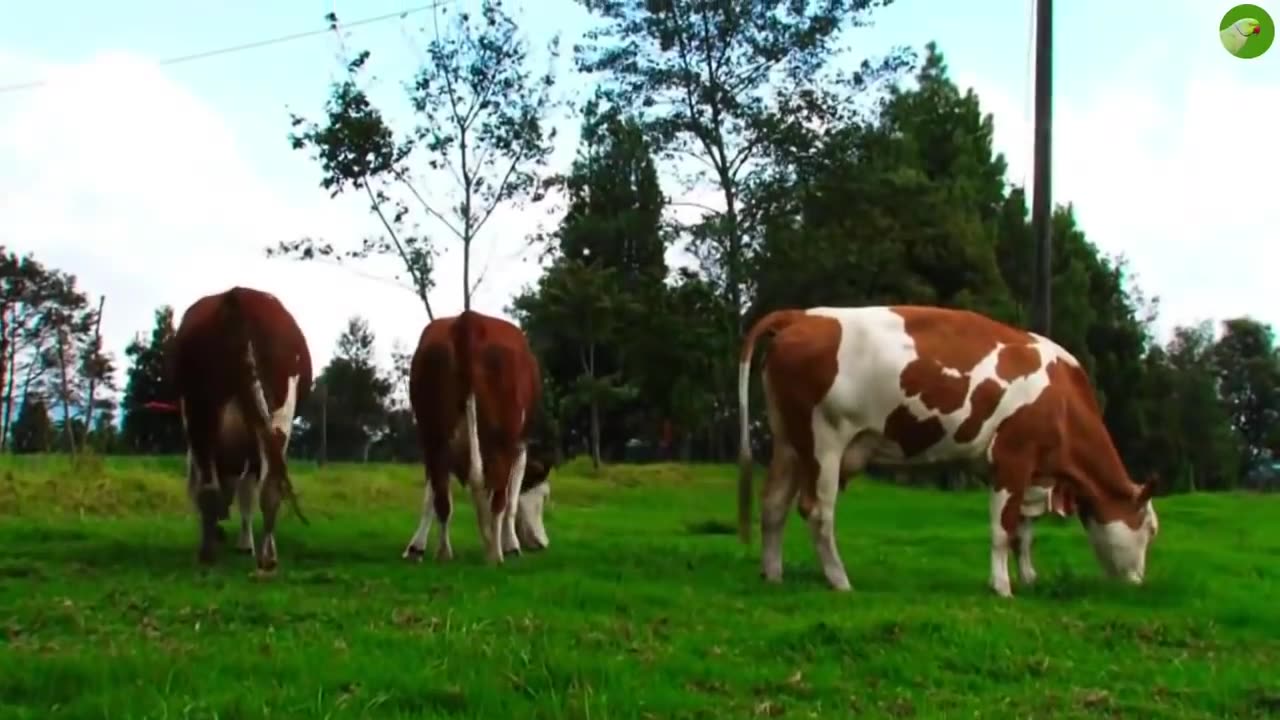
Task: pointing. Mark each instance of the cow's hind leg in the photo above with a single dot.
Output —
(436, 500)
(497, 472)
(205, 493)
(272, 477)
(246, 486)
(828, 445)
(778, 494)
(417, 546)
(515, 481)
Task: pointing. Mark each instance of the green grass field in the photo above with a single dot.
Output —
(645, 606)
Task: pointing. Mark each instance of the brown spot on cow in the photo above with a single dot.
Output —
(947, 351)
(912, 434)
(488, 359)
(982, 405)
(241, 366)
(1016, 361)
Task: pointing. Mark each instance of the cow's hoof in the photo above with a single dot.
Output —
(413, 554)
(771, 578)
(245, 550)
(206, 555)
(840, 585)
(444, 553)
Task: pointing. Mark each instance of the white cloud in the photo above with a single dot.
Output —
(119, 174)
(1179, 182)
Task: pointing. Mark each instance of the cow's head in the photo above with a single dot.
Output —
(530, 529)
(1121, 543)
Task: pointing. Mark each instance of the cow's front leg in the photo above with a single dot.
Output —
(1001, 541)
(1026, 571)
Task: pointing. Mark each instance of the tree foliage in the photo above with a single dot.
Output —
(480, 123)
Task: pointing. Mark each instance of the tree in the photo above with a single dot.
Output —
(349, 408)
(1190, 440)
(586, 315)
(1248, 367)
(35, 302)
(33, 429)
(710, 79)
(581, 300)
(148, 380)
(480, 115)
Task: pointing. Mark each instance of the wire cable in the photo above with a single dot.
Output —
(16, 87)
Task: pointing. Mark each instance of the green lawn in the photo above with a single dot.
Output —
(645, 606)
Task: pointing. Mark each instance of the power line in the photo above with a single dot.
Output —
(16, 87)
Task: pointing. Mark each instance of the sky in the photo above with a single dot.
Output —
(157, 184)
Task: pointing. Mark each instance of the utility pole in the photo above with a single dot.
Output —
(1041, 201)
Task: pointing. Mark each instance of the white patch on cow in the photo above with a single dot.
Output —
(999, 546)
(529, 522)
(282, 417)
(1036, 501)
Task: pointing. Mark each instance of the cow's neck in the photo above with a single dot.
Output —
(1098, 472)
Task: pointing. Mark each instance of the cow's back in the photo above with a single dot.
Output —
(208, 351)
(936, 382)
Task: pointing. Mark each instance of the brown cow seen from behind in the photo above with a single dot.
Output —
(241, 367)
(908, 386)
(475, 388)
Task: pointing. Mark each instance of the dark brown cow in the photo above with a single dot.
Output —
(241, 367)
(906, 385)
(475, 388)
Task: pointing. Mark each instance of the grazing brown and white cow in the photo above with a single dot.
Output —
(475, 386)
(241, 366)
(909, 385)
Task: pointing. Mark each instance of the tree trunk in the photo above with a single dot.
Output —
(10, 360)
(92, 369)
(595, 407)
(68, 427)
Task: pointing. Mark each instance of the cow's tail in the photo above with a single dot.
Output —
(768, 324)
(251, 397)
(467, 333)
